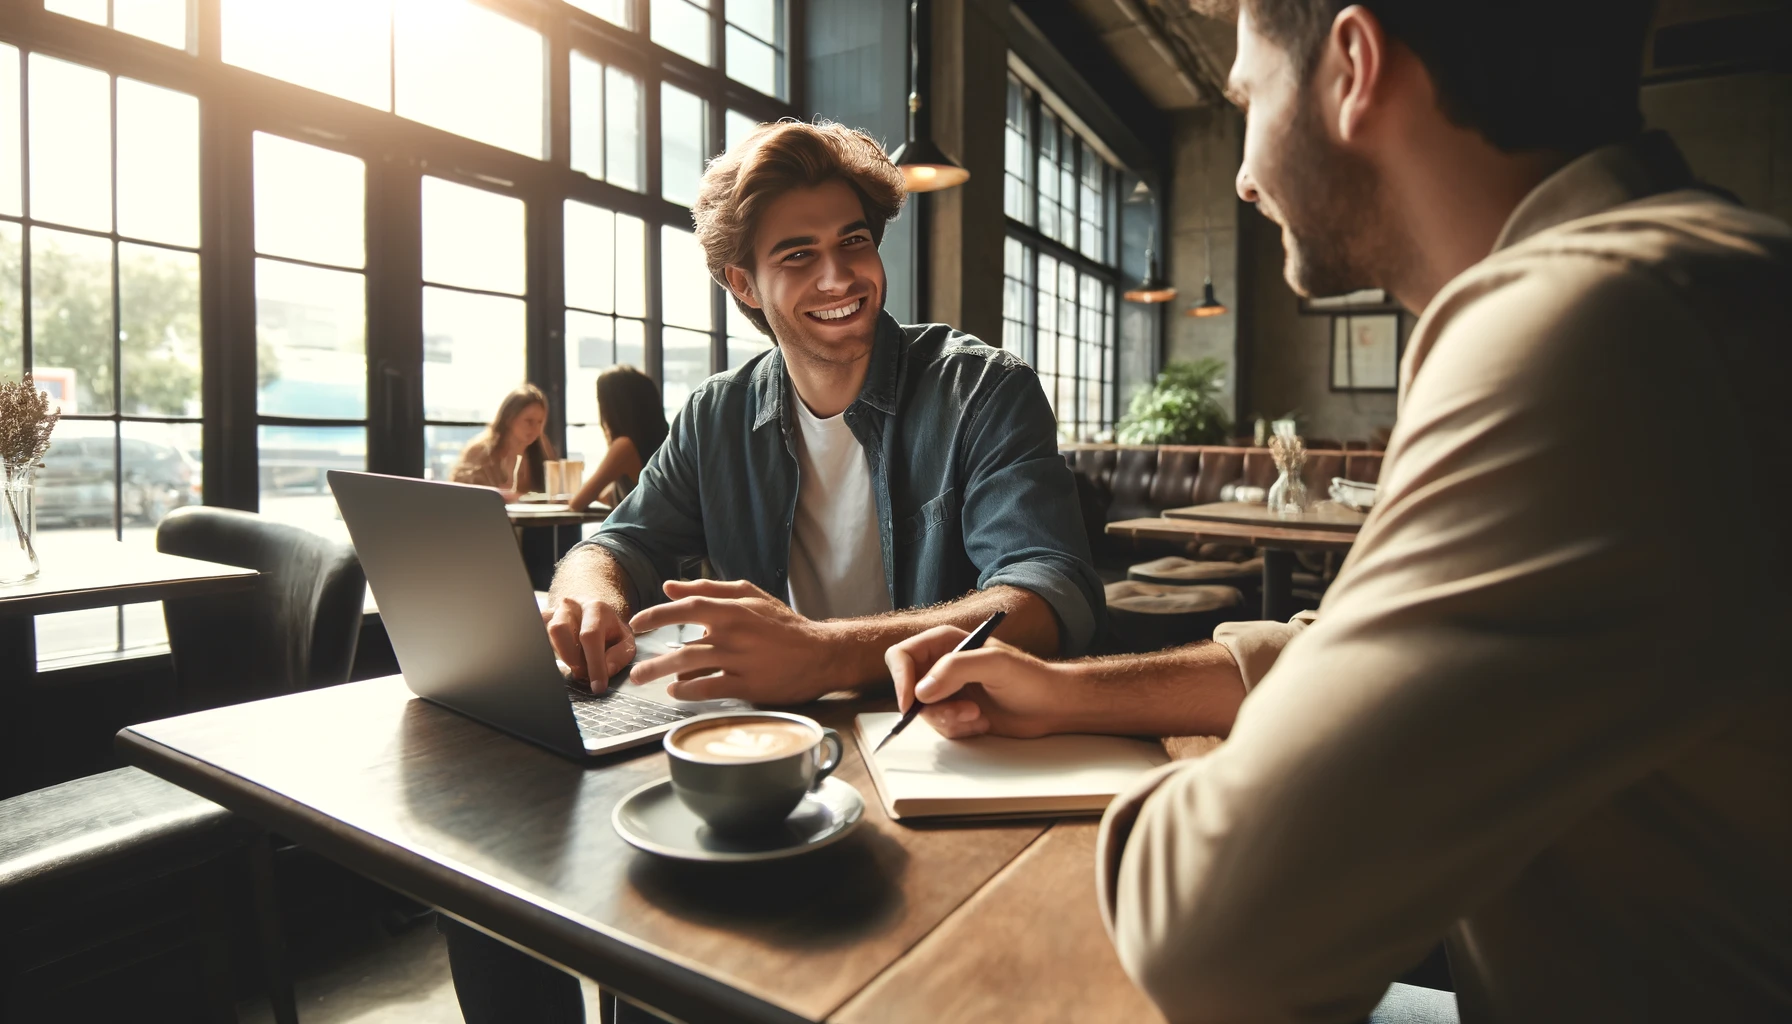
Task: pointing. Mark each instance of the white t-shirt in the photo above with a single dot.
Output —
(836, 555)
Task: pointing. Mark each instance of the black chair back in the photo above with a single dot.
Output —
(296, 630)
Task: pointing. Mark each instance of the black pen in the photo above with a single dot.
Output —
(969, 643)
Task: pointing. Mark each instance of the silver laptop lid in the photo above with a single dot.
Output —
(456, 601)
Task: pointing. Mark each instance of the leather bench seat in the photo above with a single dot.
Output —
(1116, 482)
(115, 902)
(76, 831)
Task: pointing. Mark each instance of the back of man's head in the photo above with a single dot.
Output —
(1560, 75)
(776, 158)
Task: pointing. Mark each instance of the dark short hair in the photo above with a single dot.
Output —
(1563, 75)
(629, 405)
(774, 159)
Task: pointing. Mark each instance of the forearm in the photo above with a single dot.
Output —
(1189, 691)
(591, 572)
(860, 643)
(590, 490)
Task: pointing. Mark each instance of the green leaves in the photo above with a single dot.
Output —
(1182, 407)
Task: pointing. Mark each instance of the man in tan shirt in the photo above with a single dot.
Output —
(1544, 711)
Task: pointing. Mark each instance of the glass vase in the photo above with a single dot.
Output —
(18, 528)
(1288, 495)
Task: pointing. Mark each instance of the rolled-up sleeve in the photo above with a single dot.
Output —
(1022, 524)
(1255, 646)
(1506, 649)
(660, 523)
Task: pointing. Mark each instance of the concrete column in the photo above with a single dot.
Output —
(963, 272)
(1206, 144)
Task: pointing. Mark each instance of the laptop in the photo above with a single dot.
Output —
(457, 604)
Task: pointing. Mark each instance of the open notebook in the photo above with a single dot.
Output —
(922, 774)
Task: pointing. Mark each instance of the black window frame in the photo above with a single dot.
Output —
(1036, 243)
(397, 152)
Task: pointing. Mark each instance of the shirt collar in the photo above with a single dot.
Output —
(878, 391)
(1597, 181)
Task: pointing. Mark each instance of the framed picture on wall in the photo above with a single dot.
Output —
(1366, 352)
(1366, 300)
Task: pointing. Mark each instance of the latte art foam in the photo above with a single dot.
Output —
(748, 740)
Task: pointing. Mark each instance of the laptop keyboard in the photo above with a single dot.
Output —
(614, 713)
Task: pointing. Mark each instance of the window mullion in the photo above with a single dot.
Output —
(25, 354)
(546, 355)
(394, 272)
(208, 30)
(227, 305)
(117, 368)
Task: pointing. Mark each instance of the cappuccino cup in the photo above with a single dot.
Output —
(744, 771)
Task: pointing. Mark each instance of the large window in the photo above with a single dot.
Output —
(409, 207)
(100, 298)
(1060, 263)
(606, 309)
(310, 324)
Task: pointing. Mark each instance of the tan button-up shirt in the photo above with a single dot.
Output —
(1545, 709)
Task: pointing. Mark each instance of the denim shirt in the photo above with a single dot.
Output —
(971, 491)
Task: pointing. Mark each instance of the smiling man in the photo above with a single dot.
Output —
(860, 482)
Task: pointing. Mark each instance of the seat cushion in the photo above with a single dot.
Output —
(1173, 571)
(1130, 597)
(95, 825)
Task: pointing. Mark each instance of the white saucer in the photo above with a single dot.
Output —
(652, 818)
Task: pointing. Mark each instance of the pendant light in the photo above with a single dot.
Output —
(924, 166)
(1209, 304)
(1153, 288)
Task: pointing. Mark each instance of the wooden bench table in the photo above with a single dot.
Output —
(1325, 527)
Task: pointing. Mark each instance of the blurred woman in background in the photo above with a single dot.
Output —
(509, 453)
(633, 417)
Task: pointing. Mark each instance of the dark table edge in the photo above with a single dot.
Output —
(132, 593)
(610, 961)
(1194, 529)
(1182, 514)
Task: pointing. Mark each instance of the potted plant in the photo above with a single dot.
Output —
(25, 425)
(1181, 407)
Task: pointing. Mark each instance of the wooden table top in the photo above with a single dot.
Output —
(518, 841)
(551, 514)
(1324, 515)
(123, 576)
(1284, 538)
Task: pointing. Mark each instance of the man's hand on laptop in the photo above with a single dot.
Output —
(754, 646)
(589, 633)
(994, 689)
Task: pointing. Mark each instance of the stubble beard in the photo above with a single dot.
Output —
(1330, 212)
(798, 343)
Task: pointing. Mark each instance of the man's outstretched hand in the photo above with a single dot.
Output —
(994, 689)
(754, 646)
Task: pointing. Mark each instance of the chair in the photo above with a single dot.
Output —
(113, 907)
(298, 628)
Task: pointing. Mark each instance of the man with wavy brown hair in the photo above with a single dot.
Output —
(857, 483)
(860, 482)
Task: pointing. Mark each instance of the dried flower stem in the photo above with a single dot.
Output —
(25, 425)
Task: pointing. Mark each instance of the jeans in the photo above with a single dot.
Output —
(499, 984)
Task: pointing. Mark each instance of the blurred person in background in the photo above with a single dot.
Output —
(633, 417)
(490, 459)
